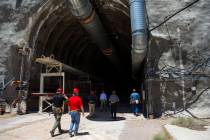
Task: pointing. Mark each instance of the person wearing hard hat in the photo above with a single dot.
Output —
(57, 109)
(75, 107)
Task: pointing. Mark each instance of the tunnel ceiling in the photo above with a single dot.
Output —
(56, 31)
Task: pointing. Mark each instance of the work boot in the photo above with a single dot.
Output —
(75, 133)
(52, 133)
(70, 133)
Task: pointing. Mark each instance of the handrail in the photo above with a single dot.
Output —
(5, 85)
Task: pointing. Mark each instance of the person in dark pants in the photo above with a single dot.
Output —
(103, 100)
(113, 99)
(91, 103)
(58, 110)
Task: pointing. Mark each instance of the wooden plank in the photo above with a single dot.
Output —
(43, 94)
(54, 63)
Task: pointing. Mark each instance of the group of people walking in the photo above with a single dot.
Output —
(113, 101)
(75, 107)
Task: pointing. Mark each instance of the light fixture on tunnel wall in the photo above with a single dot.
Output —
(107, 51)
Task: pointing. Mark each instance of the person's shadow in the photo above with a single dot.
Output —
(83, 133)
(63, 132)
(78, 134)
(105, 118)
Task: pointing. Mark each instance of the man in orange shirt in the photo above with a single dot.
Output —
(75, 107)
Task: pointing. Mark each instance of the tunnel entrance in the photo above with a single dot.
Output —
(56, 32)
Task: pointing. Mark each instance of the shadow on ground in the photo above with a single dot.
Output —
(63, 132)
(83, 133)
(99, 118)
(78, 134)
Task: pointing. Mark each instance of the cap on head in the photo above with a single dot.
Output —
(75, 90)
(59, 90)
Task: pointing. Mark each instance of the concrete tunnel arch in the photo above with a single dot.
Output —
(55, 31)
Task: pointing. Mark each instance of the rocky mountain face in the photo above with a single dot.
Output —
(188, 30)
(185, 58)
(178, 47)
(14, 19)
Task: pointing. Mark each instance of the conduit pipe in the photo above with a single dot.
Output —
(84, 12)
(139, 33)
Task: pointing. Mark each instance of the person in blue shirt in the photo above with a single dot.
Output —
(134, 101)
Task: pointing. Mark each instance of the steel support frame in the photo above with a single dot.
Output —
(44, 98)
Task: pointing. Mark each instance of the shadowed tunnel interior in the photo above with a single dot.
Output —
(57, 32)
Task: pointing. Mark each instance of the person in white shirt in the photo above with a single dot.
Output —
(103, 100)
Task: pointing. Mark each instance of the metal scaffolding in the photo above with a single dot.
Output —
(54, 68)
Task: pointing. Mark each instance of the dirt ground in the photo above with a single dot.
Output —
(7, 115)
(37, 126)
(143, 129)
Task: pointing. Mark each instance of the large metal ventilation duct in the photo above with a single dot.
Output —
(139, 33)
(83, 10)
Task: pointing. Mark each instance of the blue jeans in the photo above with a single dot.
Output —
(135, 108)
(75, 120)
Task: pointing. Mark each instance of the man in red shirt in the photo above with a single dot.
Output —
(75, 107)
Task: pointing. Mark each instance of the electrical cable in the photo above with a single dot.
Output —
(187, 107)
(196, 117)
(196, 99)
(187, 72)
(169, 17)
(168, 32)
(195, 67)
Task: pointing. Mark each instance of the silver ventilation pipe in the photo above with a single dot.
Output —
(139, 33)
(83, 10)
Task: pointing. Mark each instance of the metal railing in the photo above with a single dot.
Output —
(4, 84)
